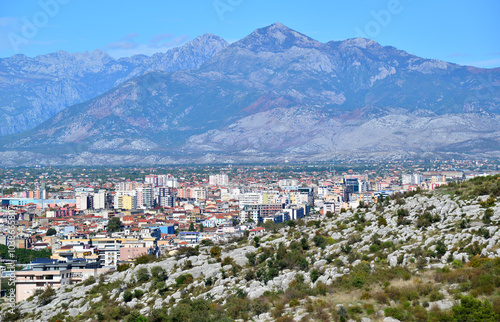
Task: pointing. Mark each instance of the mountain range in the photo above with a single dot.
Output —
(274, 95)
(34, 89)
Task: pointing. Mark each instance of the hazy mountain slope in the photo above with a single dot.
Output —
(278, 93)
(34, 89)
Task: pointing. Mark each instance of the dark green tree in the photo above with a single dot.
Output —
(191, 227)
(319, 241)
(23, 255)
(114, 224)
(471, 309)
(51, 232)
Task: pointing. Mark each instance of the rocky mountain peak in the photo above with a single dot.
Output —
(208, 43)
(275, 37)
(361, 43)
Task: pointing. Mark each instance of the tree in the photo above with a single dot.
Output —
(127, 296)
(187, 252)
(46, 296)
(256, 241)
(191, 227)
(201, 227)
(206, 242)
(142, 274)
(319, 241)
(51, 232)
(215, 251)
(114, 224)
(23, 255)
(471, 309)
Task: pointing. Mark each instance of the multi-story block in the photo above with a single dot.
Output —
(43, 273)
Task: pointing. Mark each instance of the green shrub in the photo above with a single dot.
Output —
(184, 279)
(118, 313)
(315, 274)
(354, 309)
(135, 317)
(127, 296)
(488, 213)
(206, 242)
(46, 296)
(305, 245)
(457, 263)
(251, 258)
(373, 248)
(145, 259)
(381, 220)
(122, 267)
(471, 309)
(158, 273)
(435, 295)
(187, 252)
(440, 248)
(342, 314)
(138, 294)
(89, 281)
(227, 261)
(215, 251)
(161, 287)
(319, 241)
(142, 274)
(13, 315)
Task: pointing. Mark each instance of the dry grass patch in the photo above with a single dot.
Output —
(344, 298)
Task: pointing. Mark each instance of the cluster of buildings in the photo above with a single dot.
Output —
(161, 213)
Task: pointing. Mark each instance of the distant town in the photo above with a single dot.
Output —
(92, 220)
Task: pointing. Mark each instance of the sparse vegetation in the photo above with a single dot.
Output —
(393, 261)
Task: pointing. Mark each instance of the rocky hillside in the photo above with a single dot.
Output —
(34, 89)
(424, 256)
(278, 94)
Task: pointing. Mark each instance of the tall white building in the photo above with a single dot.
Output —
(167, 180)
(127, 185)
(199, 193)
(161, 180)
(100, 199)
(145, 196)
(415, 178)
(81, 201)
(218, 179)
(287, 182)
(250, 198)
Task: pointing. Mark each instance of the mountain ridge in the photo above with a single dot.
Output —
(34, 89)
(246, 91)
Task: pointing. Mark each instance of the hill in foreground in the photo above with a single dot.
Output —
(430, 256)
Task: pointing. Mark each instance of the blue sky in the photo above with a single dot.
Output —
(459, 31)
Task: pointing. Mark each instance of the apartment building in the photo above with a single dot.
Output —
(43, 273)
